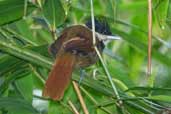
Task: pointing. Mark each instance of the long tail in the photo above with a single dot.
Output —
(59, 76)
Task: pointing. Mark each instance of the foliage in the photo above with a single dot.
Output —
(26, 31)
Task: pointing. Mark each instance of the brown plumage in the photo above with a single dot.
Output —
(59, 76)
(73, 49)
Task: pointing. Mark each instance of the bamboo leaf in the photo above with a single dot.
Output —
(25, 86)
(56, 107)
(54, 13)
(164, 98)
(16, 104)
(12, 10)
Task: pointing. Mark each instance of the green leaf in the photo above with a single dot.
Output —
(5, 65)
(17, 105)
(58, 108)
(54, 13)
(25, 86)
(25, 31)
(12, 10)
(163, 98)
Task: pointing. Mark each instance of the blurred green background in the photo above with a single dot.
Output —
(26, 28)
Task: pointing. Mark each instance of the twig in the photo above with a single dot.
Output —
(73, 107)
(80, 97)
(149, 36)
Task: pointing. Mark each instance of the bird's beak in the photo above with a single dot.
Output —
(107, 37)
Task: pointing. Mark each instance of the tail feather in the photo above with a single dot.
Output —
(59, 76)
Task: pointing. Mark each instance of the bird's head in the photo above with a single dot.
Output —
(102, 29)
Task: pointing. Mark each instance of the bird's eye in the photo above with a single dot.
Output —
(74, 52)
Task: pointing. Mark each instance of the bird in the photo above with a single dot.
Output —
(73, 49)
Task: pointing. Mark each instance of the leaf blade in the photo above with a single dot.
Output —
(54, 13)
(12, 10)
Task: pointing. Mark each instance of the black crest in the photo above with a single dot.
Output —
(101, 26)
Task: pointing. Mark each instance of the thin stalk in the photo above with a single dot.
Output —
(98, 53)
(108, 74)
